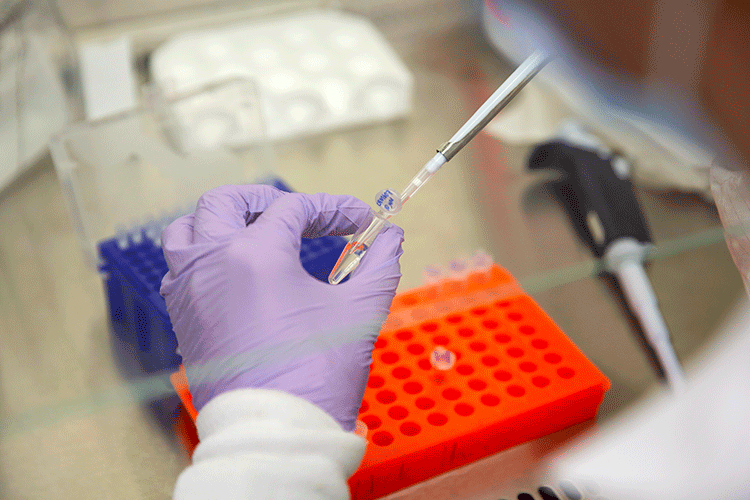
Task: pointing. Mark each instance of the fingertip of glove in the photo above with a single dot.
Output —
(393, 235)
(179, 232)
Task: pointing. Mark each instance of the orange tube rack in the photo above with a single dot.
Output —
(507, 375)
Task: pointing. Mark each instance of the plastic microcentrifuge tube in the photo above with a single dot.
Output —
(360, 429)
(390, 202)
(458, 268)
(481, 265)
(432, 274)
(442, 359)
(481, 261)
(357, 247)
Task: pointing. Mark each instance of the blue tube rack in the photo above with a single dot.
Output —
(134, 267)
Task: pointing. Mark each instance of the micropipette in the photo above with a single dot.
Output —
(596, 191)
(390, 202)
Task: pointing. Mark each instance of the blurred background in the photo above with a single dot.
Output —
(116, 115)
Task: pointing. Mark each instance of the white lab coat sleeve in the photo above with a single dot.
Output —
(266, 444)
(695, 446)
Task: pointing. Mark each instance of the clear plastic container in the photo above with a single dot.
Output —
(125, 172)
(38, 90)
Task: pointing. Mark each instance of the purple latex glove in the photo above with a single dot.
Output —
(245, 312)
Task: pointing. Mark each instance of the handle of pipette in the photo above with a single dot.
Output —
(595, 188)
(496, 102)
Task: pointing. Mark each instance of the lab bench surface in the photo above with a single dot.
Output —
(73, 433)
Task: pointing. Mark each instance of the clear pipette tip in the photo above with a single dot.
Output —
(357, 247)
(348, 261)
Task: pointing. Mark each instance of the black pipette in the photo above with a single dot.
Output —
(597, 194)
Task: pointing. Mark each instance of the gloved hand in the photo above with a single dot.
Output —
(247, 315)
